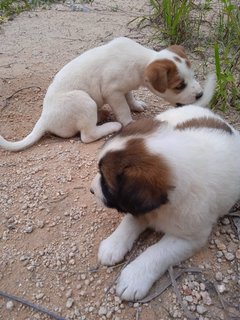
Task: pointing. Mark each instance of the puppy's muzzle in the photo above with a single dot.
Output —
(198, 96)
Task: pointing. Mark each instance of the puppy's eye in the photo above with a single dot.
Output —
(181, 86)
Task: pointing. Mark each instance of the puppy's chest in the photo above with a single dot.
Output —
(162, 220)
(169, 220)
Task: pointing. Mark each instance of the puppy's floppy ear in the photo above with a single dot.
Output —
(133, 179)
(139, 190)
(179, 50)
(158, 73)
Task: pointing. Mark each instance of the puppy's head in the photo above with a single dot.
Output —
(131, 179)
(170, 76)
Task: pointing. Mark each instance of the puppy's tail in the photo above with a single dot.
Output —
(37, 132)
(208, 91)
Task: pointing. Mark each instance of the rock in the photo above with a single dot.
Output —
(221, 246)
(9, 305)
(225, 221)
(206, 298)
(102, 311)
(39, 295)
(219, 276)
(69, 303)
(229, 256)
(69, 293)
(28, 229)
(238, 254)
(219, 254)
(221, 288)
(202, 286)
(189, 298)
(201, 309)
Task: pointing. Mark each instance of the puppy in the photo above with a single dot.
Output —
(108, 74)
(177, 173)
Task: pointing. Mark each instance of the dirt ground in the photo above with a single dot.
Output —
(50, 224)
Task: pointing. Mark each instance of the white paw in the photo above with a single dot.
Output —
(134, 283)
(111, 251)
(138, 106)
(115, 126)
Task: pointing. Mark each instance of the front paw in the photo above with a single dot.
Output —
(138, 106)
(111, 251)
(134, 283)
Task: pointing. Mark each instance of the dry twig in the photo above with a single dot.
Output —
(12, 95)
(165, 283)
(31, 305)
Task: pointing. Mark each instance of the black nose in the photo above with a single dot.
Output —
(199, 95)
(179, 105)
(91, 190)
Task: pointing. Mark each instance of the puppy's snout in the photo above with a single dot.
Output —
(91, 190)
(199, 95)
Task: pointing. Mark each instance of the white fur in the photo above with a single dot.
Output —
(106, 74)
(206, 169)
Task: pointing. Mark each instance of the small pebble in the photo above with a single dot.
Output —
(221, 288)
(69, 293)
(102, 311)
(39, 296)
(189, 298)
(9, 305)
(238, 254)
(69, 303)
(225, 221)
(201, 309)
(206, 298)
(229, 256)
(219, 276)
(221, 246)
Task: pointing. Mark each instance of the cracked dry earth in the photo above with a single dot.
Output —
(50, 225)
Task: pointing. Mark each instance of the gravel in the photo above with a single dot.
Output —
(50, 226)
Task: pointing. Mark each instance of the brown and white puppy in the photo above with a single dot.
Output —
(176, 174)
(108, 74)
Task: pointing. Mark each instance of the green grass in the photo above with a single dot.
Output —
(8, 8)
(187, 22)
(227, 55)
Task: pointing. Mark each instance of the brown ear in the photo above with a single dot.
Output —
(134, 180)
(179, 50)
(159, 72)
(156, 74)
(139, 190)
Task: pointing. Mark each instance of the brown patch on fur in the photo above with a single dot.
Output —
(188, 63)
(162, 74)
(139, 181)
(179, 50)
(141, 126)
(205, 122)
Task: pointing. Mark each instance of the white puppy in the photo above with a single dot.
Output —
(108, 74)
(176, 174)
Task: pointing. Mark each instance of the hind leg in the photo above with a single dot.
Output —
(94, 132)
(87, 125)
(98, 132)
(75, 112)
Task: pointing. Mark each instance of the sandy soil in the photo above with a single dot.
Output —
(50, 225)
